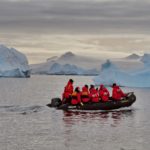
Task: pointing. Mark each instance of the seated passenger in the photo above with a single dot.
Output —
(103, 93)
(117, 93)
(94, 96)
(91, 86)
(85, 95)
(76, 97)
(68, 90)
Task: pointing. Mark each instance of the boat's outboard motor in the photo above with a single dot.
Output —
(55, 102)
(131, 96)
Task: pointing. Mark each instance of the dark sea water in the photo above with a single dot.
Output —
(26, 123)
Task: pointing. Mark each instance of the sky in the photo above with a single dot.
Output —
(44, 28)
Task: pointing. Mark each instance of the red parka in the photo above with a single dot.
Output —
(85, 95)
(94, 96)
(68, 90)
(103, 93)
(117, 93)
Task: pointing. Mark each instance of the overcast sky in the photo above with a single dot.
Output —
(43, 26)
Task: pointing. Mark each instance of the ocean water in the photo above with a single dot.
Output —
(26, 123)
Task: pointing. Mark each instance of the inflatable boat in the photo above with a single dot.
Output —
(125, 102)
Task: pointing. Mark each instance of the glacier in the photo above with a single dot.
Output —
(13, 63)
(110, 74)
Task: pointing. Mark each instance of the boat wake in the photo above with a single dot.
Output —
(21, 109)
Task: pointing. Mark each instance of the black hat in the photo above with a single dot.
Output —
(91, 86)
(77, 89)
(86, 86)
(70, 80)
(114, 84)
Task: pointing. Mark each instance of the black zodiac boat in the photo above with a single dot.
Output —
(125, 102)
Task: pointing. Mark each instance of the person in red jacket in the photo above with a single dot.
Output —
(103, 93)
(76, 97)
(68, 90)
(94, 96)
(117, 93)
(85, 95)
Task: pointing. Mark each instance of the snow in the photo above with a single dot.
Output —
(67, 63)
(52, 58)
(13, 63)
(132, 71)
(110, 74)
(80, 61)
(66, 69)
(146, 59)
(67, 55)
(133, 56)
(86, 63)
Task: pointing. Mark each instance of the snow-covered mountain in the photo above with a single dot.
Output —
(86, 63)
(130, 63)
(66, 69)
(68, 63)
(68, 55)
(132, 71)
(133, 56)
(52, 58)
(13, 63)
(110, 74)
(80, 61)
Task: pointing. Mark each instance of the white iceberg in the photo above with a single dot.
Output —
(13, 63)
(146, 59)
(66, 69)
(86, 65)
(68, 64)
(110, 74)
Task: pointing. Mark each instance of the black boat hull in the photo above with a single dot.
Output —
(126, 102)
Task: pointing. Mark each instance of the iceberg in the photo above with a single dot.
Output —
(70, 63)
(110, 74)
(13, 63)
(146, 59)
(67, 64)
(66, 69)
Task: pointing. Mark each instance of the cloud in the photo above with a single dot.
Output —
(75, 16)
(33, 26)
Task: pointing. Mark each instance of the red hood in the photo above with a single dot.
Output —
(69, 83)
(116, 87)
(93, 90)
(101, 86)
(84, 89)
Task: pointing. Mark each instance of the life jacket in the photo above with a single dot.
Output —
(94, 95)
(85, 96)
(117, 93)
(75, 98)
(103, 93)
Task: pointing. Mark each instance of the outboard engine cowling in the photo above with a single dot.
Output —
(55, 102)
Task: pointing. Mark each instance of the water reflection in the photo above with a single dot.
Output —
(114, 118)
